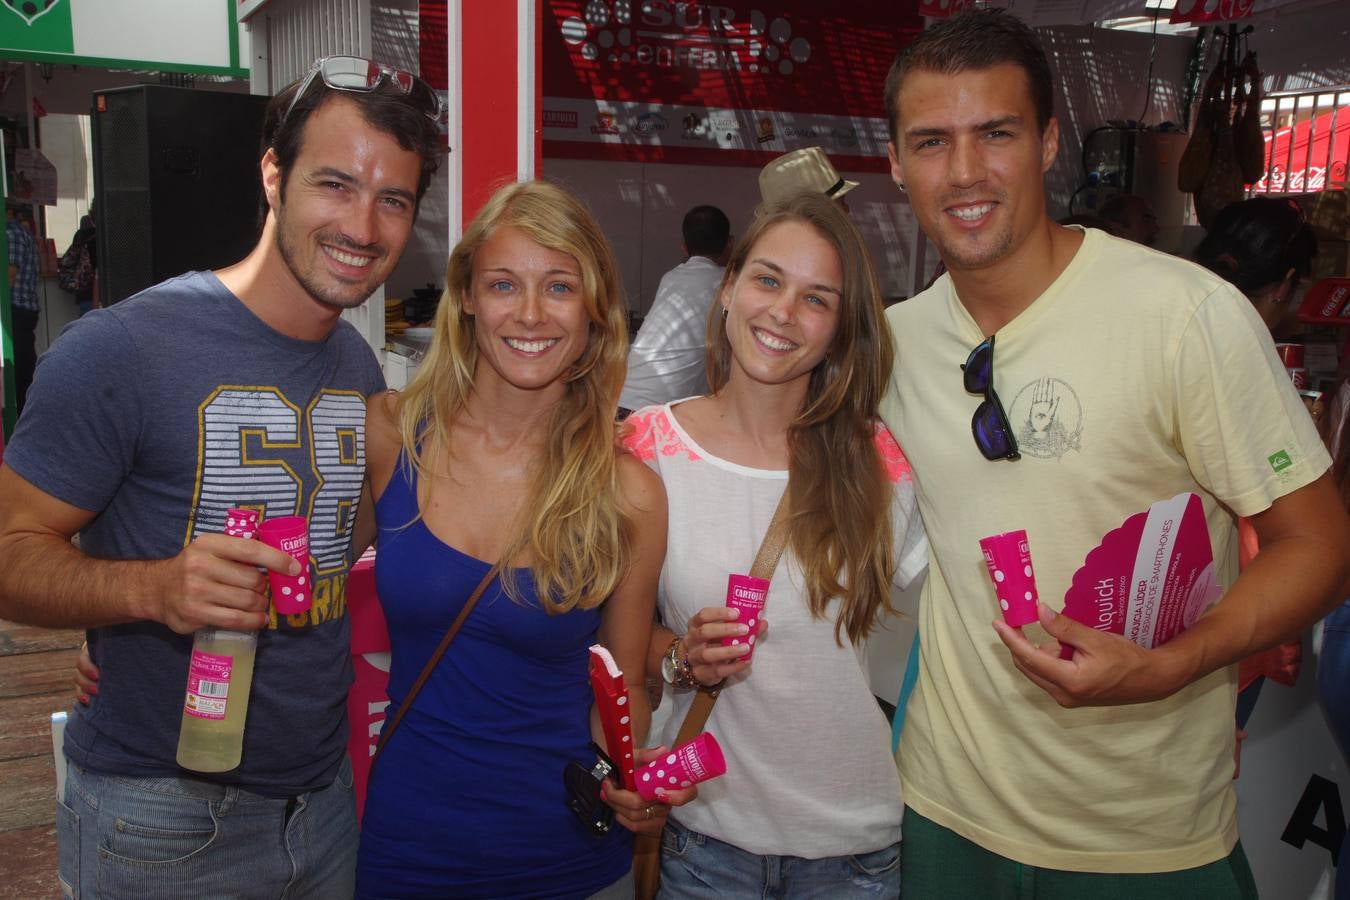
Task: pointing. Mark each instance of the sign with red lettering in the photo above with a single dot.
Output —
(1208, 12)
(432, 34)
(719, 83)
(941, 9)
(1308, 156)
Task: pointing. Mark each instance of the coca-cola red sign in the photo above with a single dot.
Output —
(1208, 12)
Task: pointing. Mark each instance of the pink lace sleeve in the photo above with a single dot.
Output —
(639, 436)
(892, 457)
(650, 432)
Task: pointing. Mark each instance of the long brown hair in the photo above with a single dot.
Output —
(838, 496)
(571, 521)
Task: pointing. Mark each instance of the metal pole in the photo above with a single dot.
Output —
(1331, 141)
(1289, 162)
(1312, 136)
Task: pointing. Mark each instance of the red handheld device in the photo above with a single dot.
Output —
(611, 698)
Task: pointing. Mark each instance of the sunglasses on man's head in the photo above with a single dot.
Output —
(353, 73)
(993, 434)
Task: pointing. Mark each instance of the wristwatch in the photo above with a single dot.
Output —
(675, 668)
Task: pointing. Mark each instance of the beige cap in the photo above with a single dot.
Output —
(807, 169)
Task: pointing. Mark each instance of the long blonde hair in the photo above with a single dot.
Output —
(838, 495)
(571, 522)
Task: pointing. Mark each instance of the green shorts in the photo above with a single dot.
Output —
(939, 864)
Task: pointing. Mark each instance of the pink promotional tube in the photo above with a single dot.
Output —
(1009, 560)
(290, 534)
(748, 594)
(695, 762)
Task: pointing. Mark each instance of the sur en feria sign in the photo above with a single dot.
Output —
(195, 36)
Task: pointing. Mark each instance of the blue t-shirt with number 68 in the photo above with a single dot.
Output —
(159, 413)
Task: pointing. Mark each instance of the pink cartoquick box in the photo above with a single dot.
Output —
(1148, 580)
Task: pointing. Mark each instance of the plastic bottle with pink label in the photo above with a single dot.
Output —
(220, 676)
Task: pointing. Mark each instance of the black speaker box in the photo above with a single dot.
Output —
(176, 183)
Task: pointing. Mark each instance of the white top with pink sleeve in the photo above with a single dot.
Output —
(809, 765)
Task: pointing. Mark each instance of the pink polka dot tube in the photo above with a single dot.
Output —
(1008, 557)
(289, 534)
(748, 594)
(694, 762)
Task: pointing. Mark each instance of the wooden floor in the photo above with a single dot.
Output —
(36, 665)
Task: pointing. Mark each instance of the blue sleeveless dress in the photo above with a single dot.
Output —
(468, 799)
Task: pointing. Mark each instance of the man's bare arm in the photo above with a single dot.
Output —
(46, 581)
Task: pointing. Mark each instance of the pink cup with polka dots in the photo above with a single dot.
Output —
(694, 762)
(291, 594)
(1008, 557)
(748, 594)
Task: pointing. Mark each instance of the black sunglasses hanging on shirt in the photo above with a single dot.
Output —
(990, 426)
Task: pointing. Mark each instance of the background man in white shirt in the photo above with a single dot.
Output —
(665, 362)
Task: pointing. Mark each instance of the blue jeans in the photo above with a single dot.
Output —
(1333, 684)
(696, 866)
(154, 838)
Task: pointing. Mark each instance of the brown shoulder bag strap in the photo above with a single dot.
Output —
(766, 560)
(434, 660)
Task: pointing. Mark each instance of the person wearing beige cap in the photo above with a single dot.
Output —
(807, 169)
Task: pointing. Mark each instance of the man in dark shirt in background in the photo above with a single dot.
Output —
(23, 299)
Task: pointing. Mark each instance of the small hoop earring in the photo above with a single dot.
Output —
(724, 313)
(901, 186)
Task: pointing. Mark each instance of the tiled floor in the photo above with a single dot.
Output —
(36, 665)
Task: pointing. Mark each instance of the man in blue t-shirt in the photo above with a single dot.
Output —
(145, 422)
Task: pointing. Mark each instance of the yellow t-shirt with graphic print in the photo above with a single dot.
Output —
(1134, 377)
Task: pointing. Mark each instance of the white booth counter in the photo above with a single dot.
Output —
(402, 356)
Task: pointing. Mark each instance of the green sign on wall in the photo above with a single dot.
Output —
(198, 36)
(41, 25)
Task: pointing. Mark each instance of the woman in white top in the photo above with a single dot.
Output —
(799, 354)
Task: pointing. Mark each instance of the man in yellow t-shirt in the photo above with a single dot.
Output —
(1122, 377)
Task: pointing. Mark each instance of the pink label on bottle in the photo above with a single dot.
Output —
(749, 595)
(208, 687)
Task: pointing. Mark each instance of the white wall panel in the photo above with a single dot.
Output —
(300, 31)
(169, 31)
